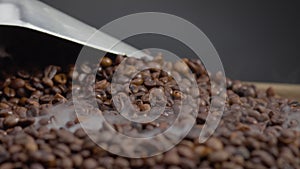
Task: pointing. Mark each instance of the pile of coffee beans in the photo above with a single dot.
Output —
(258, 130)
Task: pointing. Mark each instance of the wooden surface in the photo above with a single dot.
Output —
(291, 91)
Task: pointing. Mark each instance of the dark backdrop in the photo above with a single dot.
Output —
(256, 40)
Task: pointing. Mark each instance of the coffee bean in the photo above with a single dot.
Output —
(185, 152)
(181, 67)
(36, 166)
(17, 83)
(89, 163)
(26, 122)
(177, 94)
(9, 92)
(4, 105)
(47, 81)
(7, 166)
(23, 74)
(65, 136)
(11, 121)
(66, 163)
(145, 107)
(5, 113)
(121, 162)
(172, 158)
(270, 92)
(51, 71)
(106, 62)
(60, 78)
(214, 144)
(77, 160)
(85, 68)
(218, 156)
(4, 155)
(46, 98)
(137, 81)
(29, 87)
(264, 156)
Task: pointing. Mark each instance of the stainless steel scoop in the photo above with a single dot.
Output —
(38, 16)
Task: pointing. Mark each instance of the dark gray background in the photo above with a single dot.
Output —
(256, 40)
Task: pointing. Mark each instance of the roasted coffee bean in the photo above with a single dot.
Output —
(60, 78)
(89, 163)
(85, 68)
(186, 152)
(145, 107)
(26, 122)
(23, 74)
(7, 166)
(106, 62)
(181, 67)
(77, 160)
(172, 158)
(36, 166)
(121, 162)
(270, 92)
(218, 156)
(9, 92)
(47, 81)
(51, 71)
(214, 144)
(11, 121)
(118, 59)
(177, 94)
(137, 81)
(46, 98)
(101, 84)
(29, 87)
(17, 83)
(4, 105)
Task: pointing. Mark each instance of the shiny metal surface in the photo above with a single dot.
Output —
(38, 16)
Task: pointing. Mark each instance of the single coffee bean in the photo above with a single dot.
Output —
(106, 62)
(137, 81)
(7, 165)
(60, 78)
(86, 68)
(218, 156)
(11, 121)
(121, 162)
(26, 122)
(145, 107)
(4, 105)
(89, 163)
(185, 152)
(29, 87)
(51, 71)
(17, 83)
(23, 74)
(270, 92)
(119, 59)
(77, 160)
(171, 158)
(177, 94)
(9, 92)
(36, 166)
(214, 144)
(47, 81)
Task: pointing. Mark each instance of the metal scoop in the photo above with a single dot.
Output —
(38, 16)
